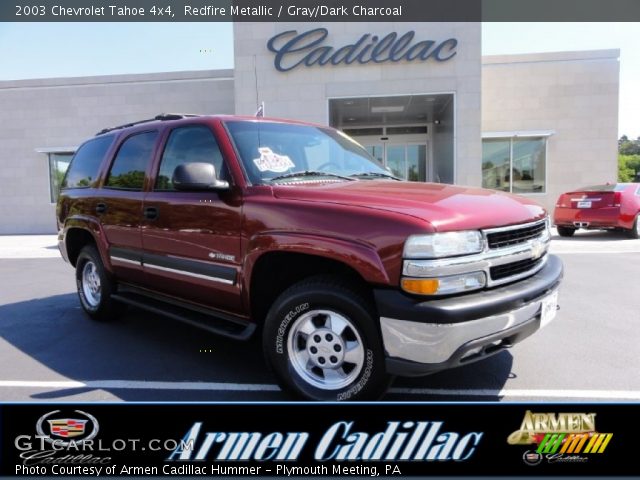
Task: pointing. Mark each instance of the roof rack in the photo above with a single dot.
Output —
(161, 117)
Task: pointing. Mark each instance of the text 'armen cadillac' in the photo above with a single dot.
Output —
(406, 441)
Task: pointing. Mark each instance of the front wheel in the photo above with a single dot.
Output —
(322, 343)
(635, 229)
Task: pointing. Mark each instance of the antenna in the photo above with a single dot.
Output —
(255, 76)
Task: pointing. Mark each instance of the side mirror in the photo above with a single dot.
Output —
(197, 176)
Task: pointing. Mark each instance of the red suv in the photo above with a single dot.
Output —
(242, 225)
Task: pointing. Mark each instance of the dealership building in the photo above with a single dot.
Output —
(419, 96)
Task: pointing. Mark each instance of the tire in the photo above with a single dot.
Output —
(635, 229)
(95, 286)
(323, 343)
(566, 231)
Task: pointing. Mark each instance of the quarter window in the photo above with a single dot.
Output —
(195, 143)
(86, 162)
(127, 171)
(515, 165)
(58, 166)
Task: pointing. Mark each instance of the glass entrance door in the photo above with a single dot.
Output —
(406, 160)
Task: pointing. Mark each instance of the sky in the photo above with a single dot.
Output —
(42, 50)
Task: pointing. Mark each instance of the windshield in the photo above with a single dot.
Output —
(271, 152)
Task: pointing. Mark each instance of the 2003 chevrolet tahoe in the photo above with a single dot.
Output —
(241, 225)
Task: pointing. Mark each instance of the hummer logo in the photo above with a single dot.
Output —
(570, 433)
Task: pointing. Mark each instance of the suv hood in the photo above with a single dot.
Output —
(446, 207)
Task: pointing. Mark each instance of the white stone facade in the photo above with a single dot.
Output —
(304, 93)
(572, 94)
(64, 112)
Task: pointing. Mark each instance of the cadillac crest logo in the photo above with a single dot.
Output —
(67, 427)
(81, 428)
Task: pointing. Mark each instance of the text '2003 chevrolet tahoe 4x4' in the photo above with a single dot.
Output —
(239, 224)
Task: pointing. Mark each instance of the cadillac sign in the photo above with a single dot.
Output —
(293, 49)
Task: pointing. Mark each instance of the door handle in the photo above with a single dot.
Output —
(151, 213)
(101, 208)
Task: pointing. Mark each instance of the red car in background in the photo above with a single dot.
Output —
(613, 206)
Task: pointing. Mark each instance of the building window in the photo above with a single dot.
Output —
(516, 164)
(58, 165)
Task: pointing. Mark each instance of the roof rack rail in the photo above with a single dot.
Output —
(161, 117)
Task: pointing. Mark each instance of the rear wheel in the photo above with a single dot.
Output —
(635, 230)
(95, 286)
(322, 342)
(566, 231)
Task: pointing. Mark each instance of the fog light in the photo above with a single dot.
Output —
(445, 285)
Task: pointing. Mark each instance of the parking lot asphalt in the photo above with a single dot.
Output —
(50, 351)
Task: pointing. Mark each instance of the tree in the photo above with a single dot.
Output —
(628, 159)
(628, 147)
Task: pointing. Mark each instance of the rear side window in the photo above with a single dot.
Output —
(86, 162)
(195, 143)
(127, 171)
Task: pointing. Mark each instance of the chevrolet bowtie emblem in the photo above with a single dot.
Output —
(537, 249)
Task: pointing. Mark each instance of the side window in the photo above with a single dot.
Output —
(195, 143)
(86, 162)
(131, 161)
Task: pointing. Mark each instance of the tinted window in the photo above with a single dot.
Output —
(186, 145)
(85, 164)
(58, 166)
(131, 162)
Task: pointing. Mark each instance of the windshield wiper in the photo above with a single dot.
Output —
(374, 174)
(310, 173)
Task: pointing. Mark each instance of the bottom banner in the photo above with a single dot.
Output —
(324, 440)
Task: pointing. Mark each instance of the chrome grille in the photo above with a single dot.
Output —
(513, 269)
(510, 254)
(513, 236)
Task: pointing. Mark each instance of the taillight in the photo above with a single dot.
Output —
(562, 202)
(617, 196)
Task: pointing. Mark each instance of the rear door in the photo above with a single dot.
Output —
(191, 240)
(119, 206)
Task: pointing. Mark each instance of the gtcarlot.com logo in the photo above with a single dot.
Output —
(67, 443)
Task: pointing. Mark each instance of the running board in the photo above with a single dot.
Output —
(199, 317)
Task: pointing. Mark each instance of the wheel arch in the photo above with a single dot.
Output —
(79, 232)
(268, 272)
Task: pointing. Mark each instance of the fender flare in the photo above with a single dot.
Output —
(362, 258)
(93, 227)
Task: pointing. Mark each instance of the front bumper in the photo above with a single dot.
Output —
(422, 337)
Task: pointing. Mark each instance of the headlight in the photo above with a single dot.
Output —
(445, 285)
(449, 244)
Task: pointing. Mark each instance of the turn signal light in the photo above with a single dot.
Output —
(420, 286)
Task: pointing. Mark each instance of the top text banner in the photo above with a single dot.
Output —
(318, 10)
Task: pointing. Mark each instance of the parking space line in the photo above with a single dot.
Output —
(577, 394)
(245, 387)
(139, 385)
(592, 252)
